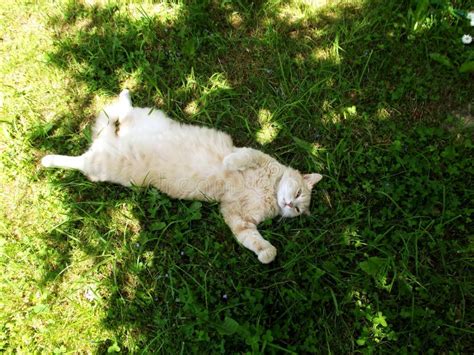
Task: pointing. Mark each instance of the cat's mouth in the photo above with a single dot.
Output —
(285, 210)
(285, 204)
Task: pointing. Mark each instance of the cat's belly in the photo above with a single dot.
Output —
(183, 169)
(183, 161)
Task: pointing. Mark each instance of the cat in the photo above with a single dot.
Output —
(142, 146)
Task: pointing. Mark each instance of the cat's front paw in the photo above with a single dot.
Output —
(267, 255)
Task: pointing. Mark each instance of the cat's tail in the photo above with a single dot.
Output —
(109, 118)
(63, 161)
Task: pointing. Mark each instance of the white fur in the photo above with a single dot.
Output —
(142, 146)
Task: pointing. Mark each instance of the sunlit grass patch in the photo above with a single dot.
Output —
(192, 108)
(168, 13)
(292, 13)
(124, 222)
(383, 113)
(269, 127)
(235, 19)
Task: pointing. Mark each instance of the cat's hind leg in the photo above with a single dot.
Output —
(64, 161)
(109, 119)
(120, 109)
(124, 100)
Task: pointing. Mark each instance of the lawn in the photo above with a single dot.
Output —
(378, 96)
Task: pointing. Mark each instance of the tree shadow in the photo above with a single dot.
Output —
(256, 70)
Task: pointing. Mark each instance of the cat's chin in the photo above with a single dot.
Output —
(281, 210)
(284, 213)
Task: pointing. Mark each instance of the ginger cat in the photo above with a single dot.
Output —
(142, 146)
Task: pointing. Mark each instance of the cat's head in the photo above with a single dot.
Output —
(294, 192)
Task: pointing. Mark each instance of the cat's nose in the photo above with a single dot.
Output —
(290, 204)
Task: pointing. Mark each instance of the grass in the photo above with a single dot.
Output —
(367, 92)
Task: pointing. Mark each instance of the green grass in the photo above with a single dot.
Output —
(366, 92)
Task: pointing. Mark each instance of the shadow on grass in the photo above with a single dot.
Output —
(325, 92)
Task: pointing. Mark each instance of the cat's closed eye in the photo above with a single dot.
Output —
(297, 209)
(298, 194)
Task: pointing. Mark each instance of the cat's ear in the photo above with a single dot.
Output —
(312, 179)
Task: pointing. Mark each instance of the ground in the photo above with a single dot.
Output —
(377, 96)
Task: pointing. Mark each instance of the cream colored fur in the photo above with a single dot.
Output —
(142, 146)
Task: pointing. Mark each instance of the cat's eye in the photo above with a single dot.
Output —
(298, 194)
(297, 209)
